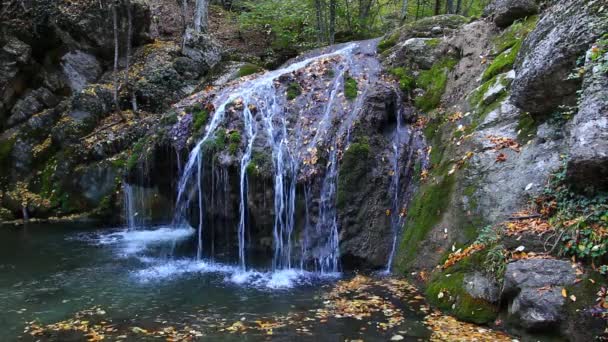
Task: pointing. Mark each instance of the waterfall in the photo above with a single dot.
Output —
(403, 142)
(262, 112)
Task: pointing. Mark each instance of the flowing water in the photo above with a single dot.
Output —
(264, 119)
(51, 272)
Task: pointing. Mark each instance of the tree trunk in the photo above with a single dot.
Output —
(201, 16)
(449, 6)
(115, 24)
(404, 5)
(332, 21)
(319, 13)
(128, 56)
(458, 6)
(437, 7)
(364, 8)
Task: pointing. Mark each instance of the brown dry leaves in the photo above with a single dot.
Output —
(447, 328)
(501, 143)
(529, 225)
(461, 254)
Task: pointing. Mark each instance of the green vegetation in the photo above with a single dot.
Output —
(199, 119)
(425, 211)
(581, 218)
(433, 81)
(433, 42)
(446, 291)
(169, 119)
(407, 82)
(502, 62)
(350, 88)
(249, 69)
(388, 42)
(514, 34)
(526, 128)
(136, 152)
(355, 165)
(260, 164)
(293, 90)
(6, 147)
(235, 141)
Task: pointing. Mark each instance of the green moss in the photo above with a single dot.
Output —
(514, 34)
(136, 152)
(293, 90)
(235, 141)
(433, 81)
(350, 88)
(169, 119)
(260, 164)
(199, 119)
(388, 42)
(446, 291)
(425, 211)
(526, 128)
(248, 69)
(406, 81)
(502, 62)
(6, 148)
(433, 42)
(355, 165)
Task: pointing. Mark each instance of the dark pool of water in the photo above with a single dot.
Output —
(50, 272)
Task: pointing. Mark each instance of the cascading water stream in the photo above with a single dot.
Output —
(261, 109)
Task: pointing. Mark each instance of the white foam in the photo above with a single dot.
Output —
(281, 279)
(134, 241)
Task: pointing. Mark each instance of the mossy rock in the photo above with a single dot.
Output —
(6, 148)
(293, 90)
(199, 119)
(355, 165)
(433, 81)
(249, 69)
(350, 88)
(514, 34)
(425, 211)
(136, 153)
(235, 141)
(260, 165)
(502, 62)
(388, 42)
(446, 291)
(407, 82)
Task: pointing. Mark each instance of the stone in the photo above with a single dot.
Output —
(538, 309)
(549, 54)
(498, 88)
(481, 286)
(588, 163)
(80, 69)
(203, 49)
(533, 287)
(31, 103)
(505, 12)
(535, 273)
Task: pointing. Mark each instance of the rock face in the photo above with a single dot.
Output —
(534, 287)
(481, 286)
(588, 164)
(548, 55)
(505, 12)
(80, 69)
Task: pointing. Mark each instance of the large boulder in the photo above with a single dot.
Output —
(549, 54)
(505, 12)
(80, 69)
(588, 163)
(533, 288)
